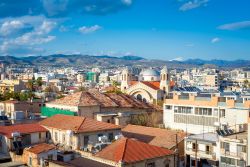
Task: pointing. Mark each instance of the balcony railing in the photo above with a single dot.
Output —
(239, 155)
(202, 153)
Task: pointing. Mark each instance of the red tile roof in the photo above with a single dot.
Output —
(77, 124)
(129, 151)
(152, 84)
(40, 148)
(155, 136)
(95, 98)
(21, 128)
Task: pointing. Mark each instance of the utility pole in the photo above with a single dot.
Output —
(196, 164)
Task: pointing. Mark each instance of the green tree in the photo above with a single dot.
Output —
(39, 81)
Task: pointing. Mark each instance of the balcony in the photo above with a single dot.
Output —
(202, 154)
(236, 155)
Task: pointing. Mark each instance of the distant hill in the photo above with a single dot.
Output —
(87, 60)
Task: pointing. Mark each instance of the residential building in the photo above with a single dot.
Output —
(77, 133)
(29, 107)
(39, 155)
(14, 138)
(199, 113)
(233, 150)
(165, 138)
(11, 86)
(202, 150)
(127, 152)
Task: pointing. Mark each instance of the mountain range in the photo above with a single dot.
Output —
(87, 60)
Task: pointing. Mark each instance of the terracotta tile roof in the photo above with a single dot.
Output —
(41, 148)
(152, 84)
(77, 99)
(103, 100)
(93, 98)
(77, 124)
(129, 151)
(21, 128)
(155, 136)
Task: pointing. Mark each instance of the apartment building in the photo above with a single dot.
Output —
(233, 150)
(77, 133)
(202, 150)
(11, 86)
(199, 113)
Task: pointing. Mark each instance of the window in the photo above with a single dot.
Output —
(194, 146)
(100, 135)
(225, 146)
(222, 113)
(30, 161)
(151, 164)
(50, 157)
(207, 149)
(168, 107)
(86, 141)
(56, 137)
(111, 136)
(152, 78)
(40, 135)
(241, 148)
(63, 137)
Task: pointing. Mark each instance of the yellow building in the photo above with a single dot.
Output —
(11, 86)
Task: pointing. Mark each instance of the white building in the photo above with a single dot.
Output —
(201, 113)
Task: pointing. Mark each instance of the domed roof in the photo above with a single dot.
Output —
(150, 72)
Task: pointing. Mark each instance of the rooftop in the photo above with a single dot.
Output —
(77, 124)
(155, 136)
(21, 128)
(209, 137)
(41, 148)
(96, 98)
(129, 151)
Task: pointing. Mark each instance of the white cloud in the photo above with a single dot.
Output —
(215, 40)
(27, 41)
(235, 26)
(91, 29)
(193, 4)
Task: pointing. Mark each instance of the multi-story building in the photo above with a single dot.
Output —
(199, 113)
(11, 86)
(233, 150)
(202, 150)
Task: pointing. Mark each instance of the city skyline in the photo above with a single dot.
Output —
(166, 29)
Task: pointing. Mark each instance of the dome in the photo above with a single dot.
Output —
(149, 75)
(150, 72)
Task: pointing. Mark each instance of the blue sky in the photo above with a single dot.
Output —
(154, 29)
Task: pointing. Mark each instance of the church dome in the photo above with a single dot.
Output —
(150, 72)
(149, 75)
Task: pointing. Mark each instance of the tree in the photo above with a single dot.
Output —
(39, 81)
(30, 85)
(246, 83)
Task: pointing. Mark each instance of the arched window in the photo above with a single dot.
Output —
(139, 97)
(164, 76)
(152, 78)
